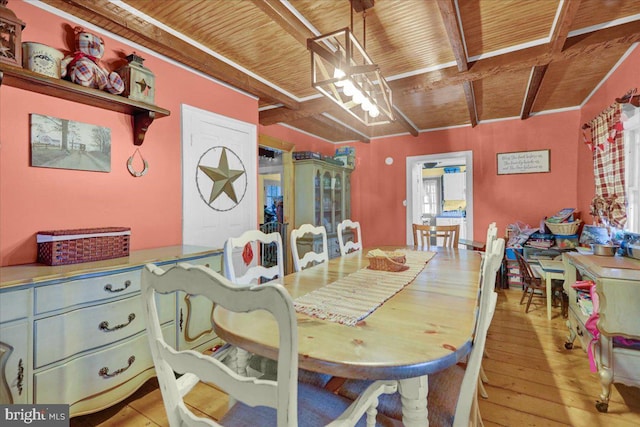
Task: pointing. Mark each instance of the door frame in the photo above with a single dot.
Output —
(412, 162)
(288, 183)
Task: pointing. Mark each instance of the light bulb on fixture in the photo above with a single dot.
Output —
(339, 74)
(366, 104)
(357, 97)
(374, 112)
(348, 88)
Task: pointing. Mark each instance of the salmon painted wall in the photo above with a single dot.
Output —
(625, 77)
(379, 189)
(34, 199)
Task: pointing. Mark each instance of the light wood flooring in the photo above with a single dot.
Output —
(533, 381)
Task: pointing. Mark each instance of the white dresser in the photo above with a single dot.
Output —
(618, 287)
(75, 334)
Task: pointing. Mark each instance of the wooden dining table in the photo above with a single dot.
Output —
(424, 328)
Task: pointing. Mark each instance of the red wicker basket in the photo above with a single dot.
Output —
(387, 261)
(61, 247)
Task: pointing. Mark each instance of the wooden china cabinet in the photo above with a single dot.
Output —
(323, 197)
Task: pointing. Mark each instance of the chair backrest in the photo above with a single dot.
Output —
(449, 233)
(525, 270)
(346, 247)
(194, 366)
(467, 405)
(256, 239)
(492, 234)
(300, 263)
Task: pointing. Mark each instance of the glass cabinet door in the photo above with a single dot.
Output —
(327, 202)
(347, 196)
(317, 198)
(337, 199)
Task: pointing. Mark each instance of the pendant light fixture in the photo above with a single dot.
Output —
(342, 71)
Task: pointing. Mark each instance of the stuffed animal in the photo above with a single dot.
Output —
(83, 66)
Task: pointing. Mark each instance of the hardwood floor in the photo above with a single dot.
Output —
(533, 381)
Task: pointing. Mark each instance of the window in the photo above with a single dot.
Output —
(431, 203)
(631, 121)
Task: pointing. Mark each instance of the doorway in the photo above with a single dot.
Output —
(426, 187)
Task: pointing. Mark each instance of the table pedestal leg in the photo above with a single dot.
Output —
(413, 393)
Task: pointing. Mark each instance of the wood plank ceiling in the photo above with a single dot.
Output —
(448, 62)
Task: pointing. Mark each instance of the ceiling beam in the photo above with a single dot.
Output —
(568, 11)
(299, 31)
(537, 74)
(342, 128)
(584, 44)
(167, 44)
(452, 27)
(310, 108)
(282, 16)
(405, 123)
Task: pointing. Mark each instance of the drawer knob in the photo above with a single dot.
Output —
(104, 372)
(104, 325)
(109, 287)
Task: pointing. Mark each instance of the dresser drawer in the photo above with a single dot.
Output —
(96, 372)
(213, 262)
(14, 305)
(84, 290)
(66, 334)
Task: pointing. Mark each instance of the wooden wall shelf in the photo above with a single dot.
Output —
(143, 114)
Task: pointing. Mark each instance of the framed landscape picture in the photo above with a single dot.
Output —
(66, 144)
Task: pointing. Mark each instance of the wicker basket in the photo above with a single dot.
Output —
(563, 228)
(62, 247)
(387, 261)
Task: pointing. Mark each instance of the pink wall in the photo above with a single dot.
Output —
(34, 199)
(379, 189)
(625, 77)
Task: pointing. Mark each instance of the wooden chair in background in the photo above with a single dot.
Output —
(346, 247)
(282, 402)
(311, 257)
(533, 285)
(422, 235)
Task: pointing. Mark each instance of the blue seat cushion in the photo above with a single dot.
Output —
(444, 389)
(316, 407)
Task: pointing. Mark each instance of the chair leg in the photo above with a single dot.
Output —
(529, 300)
(482, 390)
(524, 292)
(483, 376)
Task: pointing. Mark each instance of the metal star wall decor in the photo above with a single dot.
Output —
(221, 187)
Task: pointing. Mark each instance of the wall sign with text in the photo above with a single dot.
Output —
(523, 162)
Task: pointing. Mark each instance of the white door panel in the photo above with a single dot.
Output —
(219, 177)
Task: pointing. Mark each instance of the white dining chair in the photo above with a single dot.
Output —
(283, 402)
(453, 393)
(348, 246)
(492, 235)
(312, 257)
(253, 272)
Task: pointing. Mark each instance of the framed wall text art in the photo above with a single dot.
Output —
(523, 162)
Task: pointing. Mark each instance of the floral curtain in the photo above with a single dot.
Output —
(609, 203)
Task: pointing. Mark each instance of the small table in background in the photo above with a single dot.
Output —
(551, 270)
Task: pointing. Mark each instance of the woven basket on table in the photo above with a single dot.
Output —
(387, 261)
(563, 228)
